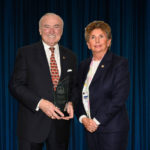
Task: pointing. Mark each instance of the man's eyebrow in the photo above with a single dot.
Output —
(46, 25)
(57, 25)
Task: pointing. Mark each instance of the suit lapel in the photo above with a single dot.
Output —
(63, 62)
(43, 63)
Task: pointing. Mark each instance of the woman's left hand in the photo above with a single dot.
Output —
(89, 124)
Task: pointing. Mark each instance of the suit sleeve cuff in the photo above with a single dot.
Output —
(37, 107)
(81, 117)
(96, 121)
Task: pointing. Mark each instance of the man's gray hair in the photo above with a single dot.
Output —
(49, 14)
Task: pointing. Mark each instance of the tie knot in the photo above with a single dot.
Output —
(52, 49)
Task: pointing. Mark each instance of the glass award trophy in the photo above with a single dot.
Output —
(61, 95)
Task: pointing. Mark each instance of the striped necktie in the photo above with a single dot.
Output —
(54, 69)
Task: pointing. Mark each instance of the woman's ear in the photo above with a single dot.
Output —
(109, 43)
(88, 45)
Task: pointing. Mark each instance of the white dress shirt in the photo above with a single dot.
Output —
(48, 56)
(90, 75)
(56, 53)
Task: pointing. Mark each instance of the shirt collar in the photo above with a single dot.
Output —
(48, 52)
(47, 46)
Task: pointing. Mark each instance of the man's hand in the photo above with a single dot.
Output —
(50, 110)
(70, 111)
(89, 124)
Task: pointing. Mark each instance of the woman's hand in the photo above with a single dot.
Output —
(89, 124)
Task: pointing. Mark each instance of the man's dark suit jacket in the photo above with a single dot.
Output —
(31, 81)
(108, 92)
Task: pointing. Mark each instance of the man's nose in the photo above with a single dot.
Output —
(51, 30)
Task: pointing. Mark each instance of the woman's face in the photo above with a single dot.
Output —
(98, 41)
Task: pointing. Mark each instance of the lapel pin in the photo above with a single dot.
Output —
(102, 66)
(64, 57)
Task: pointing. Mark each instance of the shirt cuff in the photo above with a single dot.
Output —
(37, 107)
(81, 117)
(96, 121)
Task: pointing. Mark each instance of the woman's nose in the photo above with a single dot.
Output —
(97, 40)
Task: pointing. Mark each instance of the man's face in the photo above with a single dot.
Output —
(51, 29)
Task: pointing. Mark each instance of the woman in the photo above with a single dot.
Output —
(103, 84)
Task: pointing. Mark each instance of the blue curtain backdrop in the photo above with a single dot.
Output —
(130, 22)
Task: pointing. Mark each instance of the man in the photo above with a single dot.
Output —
(33, 84)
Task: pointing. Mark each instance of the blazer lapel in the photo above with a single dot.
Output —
(104, 64)
(86, 69)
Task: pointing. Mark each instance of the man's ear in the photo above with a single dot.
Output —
(40, 31)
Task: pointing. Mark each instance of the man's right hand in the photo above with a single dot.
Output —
(50, 109)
